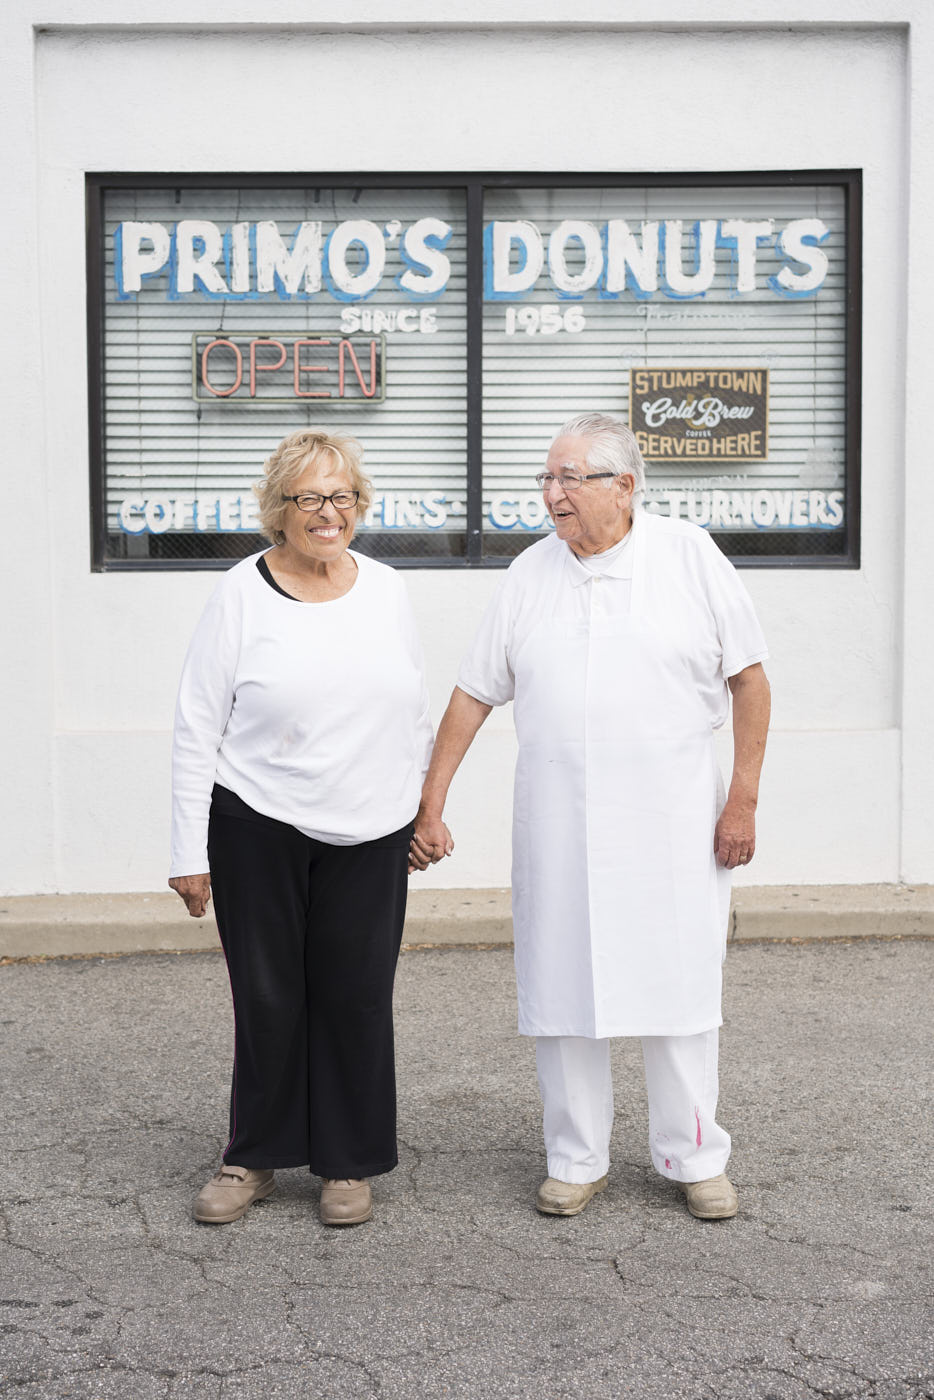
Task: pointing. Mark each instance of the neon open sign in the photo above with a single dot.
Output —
(246, 368)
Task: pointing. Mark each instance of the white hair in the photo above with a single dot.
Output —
(614, 447)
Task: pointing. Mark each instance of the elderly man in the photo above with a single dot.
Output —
(618, 638)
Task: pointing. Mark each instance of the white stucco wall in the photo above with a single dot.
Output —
(96, 657)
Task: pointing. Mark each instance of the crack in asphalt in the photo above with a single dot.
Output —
(317, 1351)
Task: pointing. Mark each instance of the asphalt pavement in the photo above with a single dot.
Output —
(113, 1087)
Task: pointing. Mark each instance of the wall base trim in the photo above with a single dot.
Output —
(89, 925)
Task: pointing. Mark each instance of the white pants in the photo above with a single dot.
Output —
(686, 1142)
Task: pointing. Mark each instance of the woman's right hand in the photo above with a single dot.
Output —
(195, 890)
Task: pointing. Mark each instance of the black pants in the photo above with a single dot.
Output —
(311, 933)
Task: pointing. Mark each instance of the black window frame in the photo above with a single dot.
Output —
(474, 185)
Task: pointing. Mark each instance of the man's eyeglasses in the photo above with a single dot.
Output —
(568, 481)
(311, 500)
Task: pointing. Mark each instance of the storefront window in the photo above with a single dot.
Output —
(453, 325)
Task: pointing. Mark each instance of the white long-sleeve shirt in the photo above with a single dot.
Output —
(315, 714)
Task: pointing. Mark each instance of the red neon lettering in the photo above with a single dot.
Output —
(367, 393)
(309, 369)
(221, 393)
(254, 366)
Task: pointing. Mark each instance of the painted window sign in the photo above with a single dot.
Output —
(243, 260)
(453, 325)
(617, 260)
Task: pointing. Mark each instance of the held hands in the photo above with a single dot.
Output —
(432, 842)
(195, 890)
(734, 841)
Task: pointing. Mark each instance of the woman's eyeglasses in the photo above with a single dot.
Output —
(311, 500)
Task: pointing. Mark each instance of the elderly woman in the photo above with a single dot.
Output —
(301, 740)
(619, 638)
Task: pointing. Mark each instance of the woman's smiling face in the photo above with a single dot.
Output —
(325, 533)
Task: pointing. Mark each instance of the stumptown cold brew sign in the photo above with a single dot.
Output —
(712, 415)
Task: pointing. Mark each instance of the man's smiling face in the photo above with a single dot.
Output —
(595, 515)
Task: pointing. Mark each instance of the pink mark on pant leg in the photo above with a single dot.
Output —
(668, 1164)
(697, 1116)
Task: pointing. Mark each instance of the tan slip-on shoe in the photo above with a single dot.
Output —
(565, 1197)
(230, 1193)
(346, 1202)
(713, 1199)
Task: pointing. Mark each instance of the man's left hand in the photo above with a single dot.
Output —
(734, 840)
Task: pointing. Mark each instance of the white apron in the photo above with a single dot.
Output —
(620, 910)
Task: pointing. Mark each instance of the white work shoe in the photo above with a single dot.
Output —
(566, 1197)
(713, 1199)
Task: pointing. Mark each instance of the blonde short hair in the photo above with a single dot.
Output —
(293, 455)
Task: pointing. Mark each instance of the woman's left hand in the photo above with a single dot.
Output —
(432, 842)
(418, 860)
